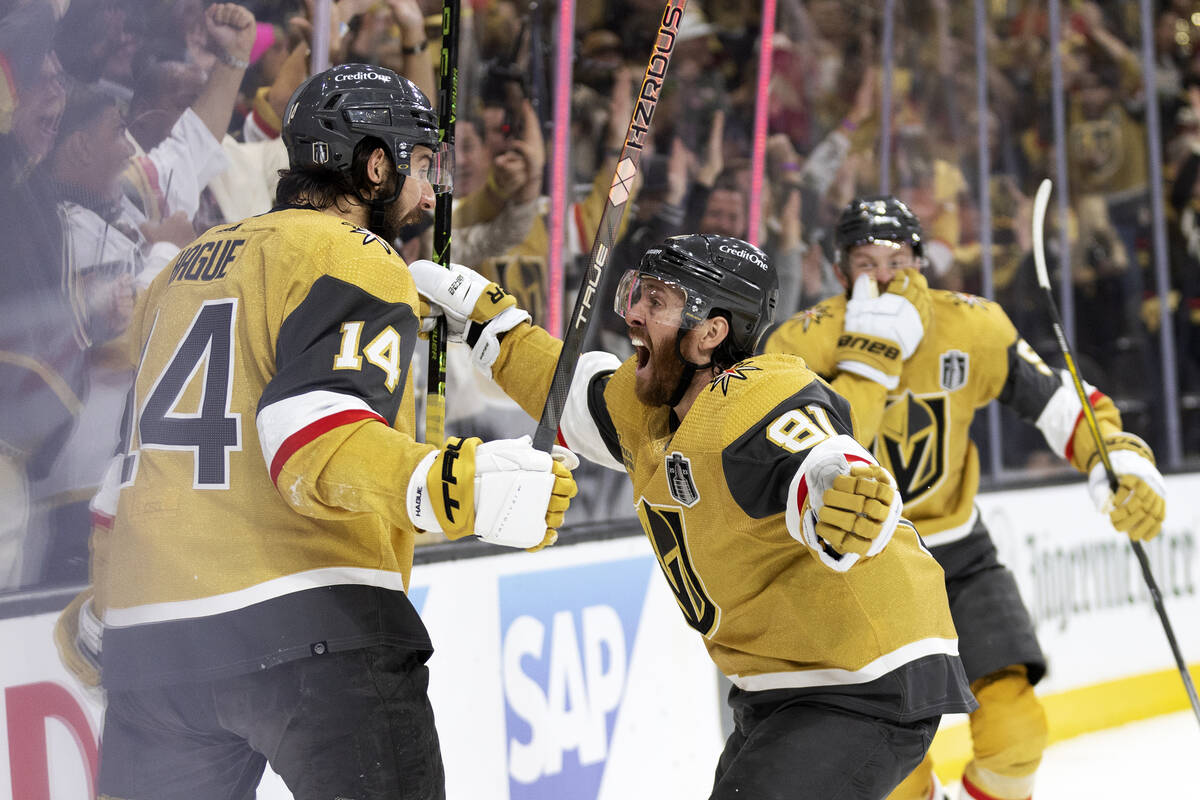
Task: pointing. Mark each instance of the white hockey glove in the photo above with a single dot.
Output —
(477, 311)
(850, 511)
(881, 331)
(1140, 506)
(503, 491)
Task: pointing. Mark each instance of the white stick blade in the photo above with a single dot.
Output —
(1040, 201)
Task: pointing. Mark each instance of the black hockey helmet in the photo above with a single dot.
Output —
(331, 112)
(715, 273)
(878, 218)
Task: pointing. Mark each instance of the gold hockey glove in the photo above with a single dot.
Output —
(842, 505)
(855, 509)
(1139, 506)
(504, 491)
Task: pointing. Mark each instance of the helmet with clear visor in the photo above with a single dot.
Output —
(331, 112)
(686, 279)
(661, 299)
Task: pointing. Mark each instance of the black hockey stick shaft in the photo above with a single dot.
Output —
(1040, 202)
(587, 301)
(435, 399)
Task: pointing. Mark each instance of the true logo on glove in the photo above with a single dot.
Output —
(872, 346)
(453, 448)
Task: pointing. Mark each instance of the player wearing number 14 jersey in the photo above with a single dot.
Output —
(779, 535)
(251, 578)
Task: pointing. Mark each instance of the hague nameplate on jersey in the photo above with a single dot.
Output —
(679, 479)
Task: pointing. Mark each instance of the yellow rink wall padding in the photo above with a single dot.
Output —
(1078, 711)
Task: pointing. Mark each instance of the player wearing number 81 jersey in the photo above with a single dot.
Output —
(779, 536)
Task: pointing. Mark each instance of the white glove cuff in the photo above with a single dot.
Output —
(487, 347)
(870, 373)
(565, 456)
(90, 632)
(417, 503)
(1124, 462)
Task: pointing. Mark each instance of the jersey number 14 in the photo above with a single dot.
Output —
(211, 431)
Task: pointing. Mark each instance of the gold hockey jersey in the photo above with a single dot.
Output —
(712, 496)
(267, 444)
(970, 355)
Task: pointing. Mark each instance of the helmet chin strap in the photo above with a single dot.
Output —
(689, 371)
(378, 206)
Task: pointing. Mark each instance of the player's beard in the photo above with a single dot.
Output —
(396, 217)
(656, 385)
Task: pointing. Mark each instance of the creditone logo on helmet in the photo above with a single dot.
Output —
(745, 255)
(362, 76)
(879, 219)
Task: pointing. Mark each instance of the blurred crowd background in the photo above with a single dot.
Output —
(127, 127)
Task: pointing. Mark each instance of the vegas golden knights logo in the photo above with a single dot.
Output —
(911, 443)
(664, 525)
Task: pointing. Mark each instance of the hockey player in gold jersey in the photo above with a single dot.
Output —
(779, 535)
(257, 534)
(916, 364)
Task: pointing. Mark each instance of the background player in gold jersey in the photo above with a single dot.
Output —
(916, 364)
(256, 538)
(778, 533)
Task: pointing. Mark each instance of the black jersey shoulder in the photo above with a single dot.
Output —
(758, 469)
(312, 336)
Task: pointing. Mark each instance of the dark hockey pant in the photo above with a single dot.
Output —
(354, 724)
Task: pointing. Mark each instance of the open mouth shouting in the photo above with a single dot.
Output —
(641, 349)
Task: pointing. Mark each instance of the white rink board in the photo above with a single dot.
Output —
(570, 674)
(1082, 583)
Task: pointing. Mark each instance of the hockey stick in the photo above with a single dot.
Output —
(1040, 201)
(610, 220)
(435, 390)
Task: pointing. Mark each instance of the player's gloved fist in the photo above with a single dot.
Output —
(504, 491)
(477, 311)
(1139, 506)
(881, 331)
(855, 509)
(77, 634)
(845, 508)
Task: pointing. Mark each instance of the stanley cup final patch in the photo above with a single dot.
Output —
(954, 370)
(679, 480)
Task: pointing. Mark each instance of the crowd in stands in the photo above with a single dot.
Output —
(128, 127)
